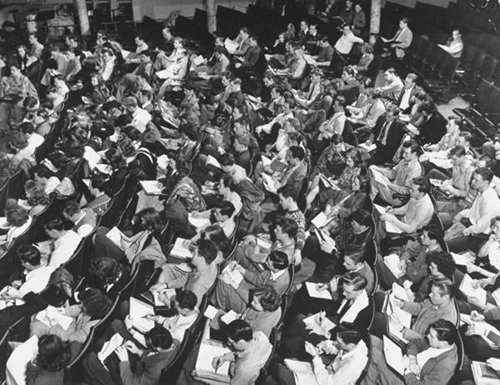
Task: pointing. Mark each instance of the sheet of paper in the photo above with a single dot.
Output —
(232, 276)
(152, 187)
(230, 45)
(380, 178)
(399, 291)
(484, 374)
(392, 228)
(199, 221)
(496, 296)
(380, 209)
(303, 372)
(139, 309)
(181, 249)
(326, 324)
(309, 60)
(442, 163)
(110, 346)
(321, 220)
(328, 182)
(463, 259)
(125, 53)
(104, 168)
(163, 162)
(115, 235)
(198, 60)
(469, 290)
(208, 351)
(315, 293)
(211, 312)
(229, 317)
(394, 356)
(212, 161)
(368, 147)
(392, 263)
(270, 184)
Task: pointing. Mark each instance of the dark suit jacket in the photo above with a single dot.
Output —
(433, 129)
(413, 92)
(148, 369)
(251, 56)
(435, 371)
(394, 137)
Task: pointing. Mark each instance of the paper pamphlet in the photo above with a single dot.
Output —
(484, 374)
(380, 209)
(198, 60)
(392, 228)
(315, 293)
(303, 372)
(53, 315)
(110, 346)
(392, 263)
(152, 187)
(139, 309)
(208, 351)
(211, 312)
(200, 220)
(229, 317)
(463, 259)
(368, 147)
(212, 161)
(116, 236)
(230, 45)
(232, 276)
(394, 356)
(325, 324)
(321, 220)
(270, 184)
(181, 249)
(467, 287)
(380, 178)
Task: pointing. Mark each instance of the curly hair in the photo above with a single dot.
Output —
(53, 353)
(106, 269)
(95, 303)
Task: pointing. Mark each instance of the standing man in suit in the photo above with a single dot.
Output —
(387, 135)
(401, 40)
(251, 57)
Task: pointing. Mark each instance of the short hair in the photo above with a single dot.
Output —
(207, 249)
(95, 302)
(445, 330)
(297, 152)
(53, 353)
(395, 110)
(288, 192)
(279, 259)
(159, 337)
(445, 286)
(485, 173)
(239, 330)
(228, 182)
(139, 36)
(149, 219)
(443, 261)
(404, 20)
(412, 145)
(341, 100)
(270, 300)
(423, 184)
(348, 333)
(456, 120)
(16, 215)
(391, 71)
(354, 279)
(186, 299)
(26, 127)
(29, 254)
(226, 159)
(434, 232)
(288, 226)
(226, 208)
(357, 254)
(244, 29)
(106, 269)
(458, 151)
(412, 76)
(55, 223)
(71, 208)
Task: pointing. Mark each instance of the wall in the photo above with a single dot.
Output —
(160, 9)
(412, 3)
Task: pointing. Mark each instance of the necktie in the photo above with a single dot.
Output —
(383, 133)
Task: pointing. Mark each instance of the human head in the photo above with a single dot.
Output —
(18, 141)
(206, 251)
(442, 334)
(238, 334)
(419, 187)
(354, 258)
(95, 303)
(158, 338)
(72, 211)
(353, 284)
(442, 291)
(166, 33)
(35, 193)
(403, 23)
(15, 71)
(304, 25)
(244, 32)
(106, 269)
(54, 228)
(347, 336)
(139, 39)
(441, 264)
(15, 214)
(32, 38)
(495, 227)
(410, 80)
(29, 256)
(457, 155)
(357, 7)
(150, 220)
(392, 113)
(431, 235)
(454, 124)
(267, 301)
(360, 220)
(227, 162)
(286, 229)
(287, 198)
(223, 211)
(185, 302)
(390, 74)
(410, 151)
(346, 29)
(226, 185)
(53, 353)
(482, 178)
(456, 34)
(277, 261)
(295, 155)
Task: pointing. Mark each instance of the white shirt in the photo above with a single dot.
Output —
(140, 118)
(36, 280)
(178, 325)
(345, 42)
(484, 208)
(235, 199)
(51, 185)
(429, 353)
(64, 248)
(405, 100)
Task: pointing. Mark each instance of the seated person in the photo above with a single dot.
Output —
(107, 275)
(35, 277)
(36, 198)
(351, 357)
(98, 190)
(94, 306)
(18, 221)
(84, 220)
(228, 297)
(432, 359)
(223, 214)
(439, 305)
(198, 279)
(351, 305)
(399, 177)
(250, 350)
(46, 178)
(157, 353)
(61, 245)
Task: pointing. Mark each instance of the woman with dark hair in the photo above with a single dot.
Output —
(142, 245)
(216, 235)
(18, 221)
(94, 306)
(43, 175)
(119, 168)
(108, 275)
(48, 366)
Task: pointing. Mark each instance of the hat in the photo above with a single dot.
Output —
(18, 140)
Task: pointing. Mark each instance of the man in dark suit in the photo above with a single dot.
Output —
(250, 60)
(387, 135)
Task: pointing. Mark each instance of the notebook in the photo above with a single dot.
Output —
(315, 293)
(181, 249)
(152, 187)
(303, 372)
(208, 351)
(392, 263)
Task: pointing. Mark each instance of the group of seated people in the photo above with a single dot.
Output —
(302, 232)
